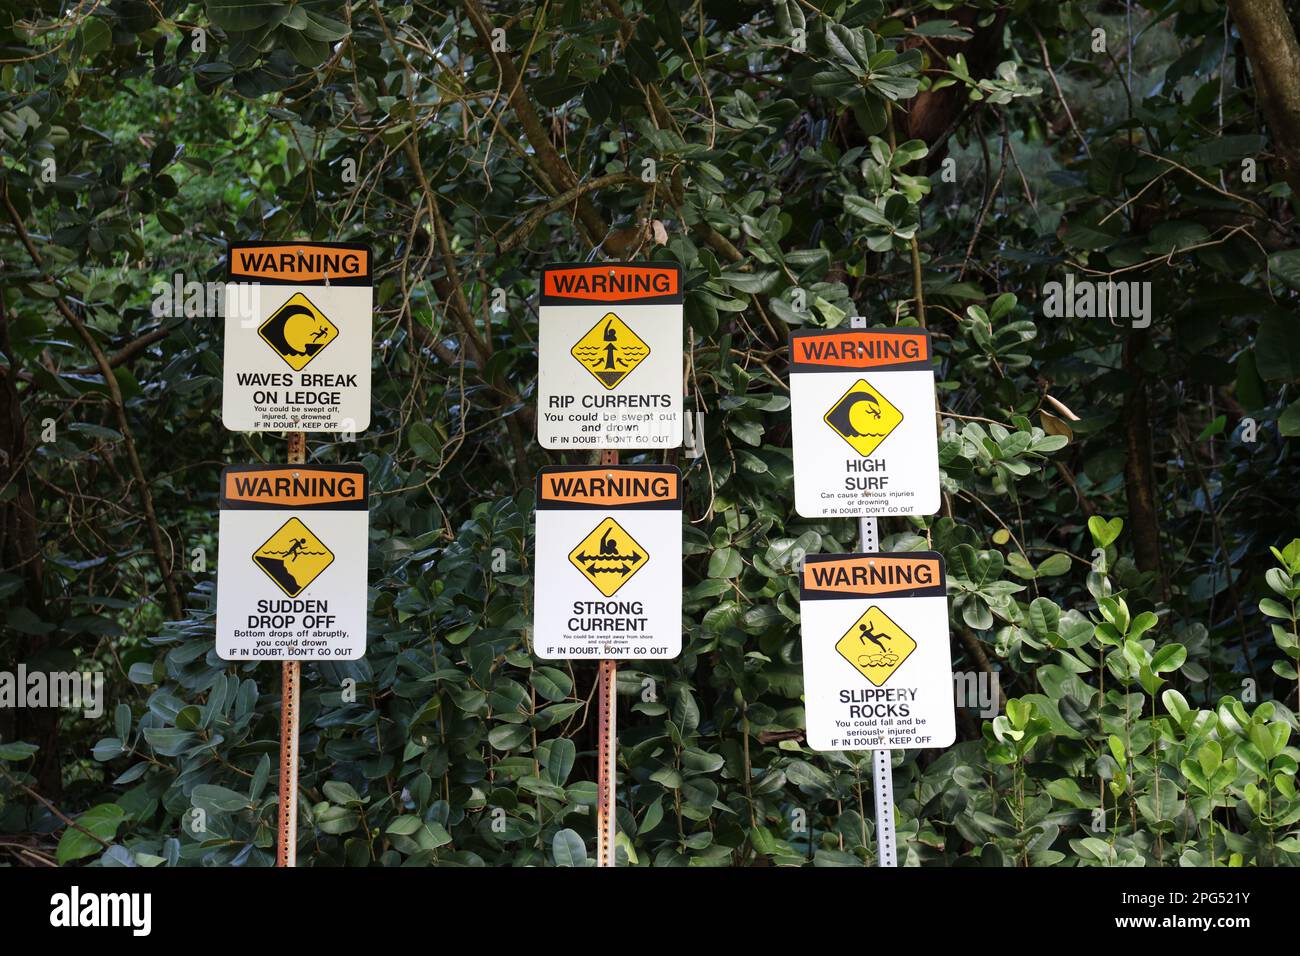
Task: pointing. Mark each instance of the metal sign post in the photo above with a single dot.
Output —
(607, 747)
(609, 367)
(882, 771)
(290, 680)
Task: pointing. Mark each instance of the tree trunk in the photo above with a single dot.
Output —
(20, 554)
(1274, 55)
(1139, 474)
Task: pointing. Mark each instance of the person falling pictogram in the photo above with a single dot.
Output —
(295, 548)
(869, 634)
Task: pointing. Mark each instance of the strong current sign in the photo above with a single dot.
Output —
(863, 422)
(610, 356)
(609, 562)
(291, 569)
(298, 337)
(876, 662)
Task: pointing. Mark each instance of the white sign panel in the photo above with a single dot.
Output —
(291, 568)
(863, 423)
(298, 337)
(876, 663)
(609, 562)
(609, 356)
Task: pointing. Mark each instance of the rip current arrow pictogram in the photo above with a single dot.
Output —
(608, 557)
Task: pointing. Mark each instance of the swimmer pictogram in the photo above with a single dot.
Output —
(608, 557)
(293, 557)
(610, 350)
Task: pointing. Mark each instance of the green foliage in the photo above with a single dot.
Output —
(799, 177)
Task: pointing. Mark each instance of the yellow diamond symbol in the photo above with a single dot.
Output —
(293, 557)
(298, 331)
(610, 351)
(876, 646)
(863, 417)
(608, 557)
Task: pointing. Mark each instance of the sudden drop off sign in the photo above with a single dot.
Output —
(609, 355)
(876, 663)
(291, 571)
(863, 422)
(609, 562)
(298, 336)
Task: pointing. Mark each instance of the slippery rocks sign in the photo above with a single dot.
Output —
(876, 661)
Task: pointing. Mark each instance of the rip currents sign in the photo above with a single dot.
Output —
(609, 355)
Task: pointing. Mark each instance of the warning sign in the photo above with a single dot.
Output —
(610, 351)
(876, 646)
(293, 557)
(877, 667)
(609, 562)
(863, 422)
(863, 417)
(608, 557)
(297, 331)
(298, 336)
(301, 592)
(610, 355)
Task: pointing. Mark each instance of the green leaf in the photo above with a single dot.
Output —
(102, 820)
(404, 825)
(1054, 566)
(725, 563)
(242, 15)
(424, 442)
(508, 736)
(567, 849)
(1285, 265)
(1168, 658)
(96, 35)
(1104, 532)
(18, 750)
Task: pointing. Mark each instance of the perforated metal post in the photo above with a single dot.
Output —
(607, 730)
(881, 772)
(290, 679)
(886, 851)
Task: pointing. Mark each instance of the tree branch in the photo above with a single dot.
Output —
(174, 606)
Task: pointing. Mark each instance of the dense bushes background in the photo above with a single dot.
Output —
(1111, 494)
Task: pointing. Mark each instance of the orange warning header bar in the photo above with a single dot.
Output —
(299, 263)
(914, 574)
(332, 487)
(816, 350)
(610, 486)
(608, 282)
